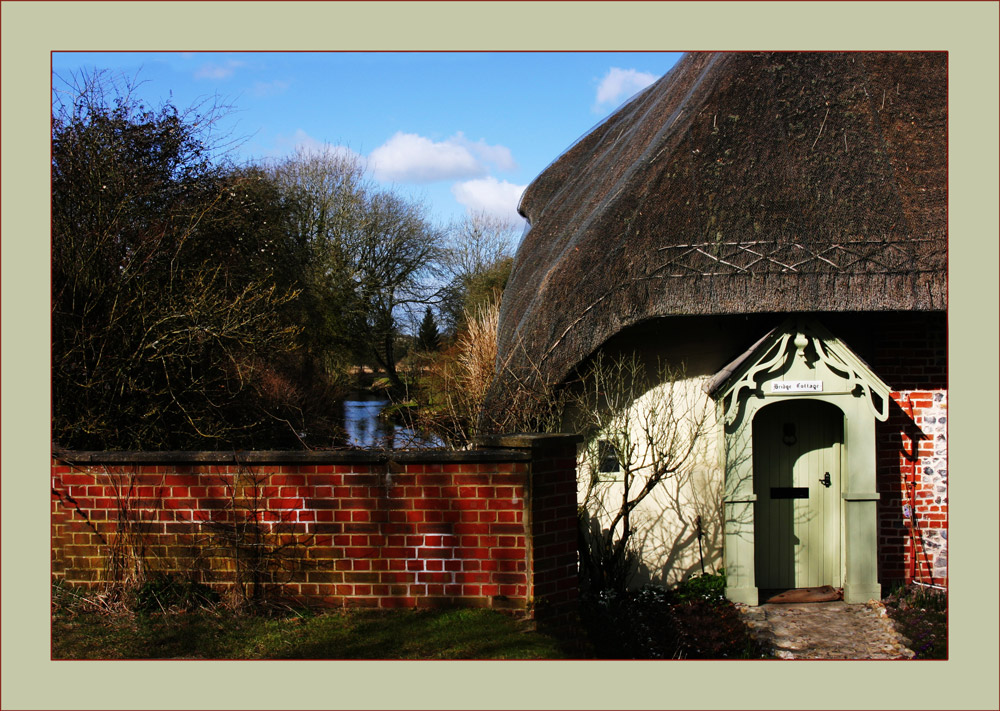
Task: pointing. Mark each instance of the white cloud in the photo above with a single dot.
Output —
(619, 84)
(498, 156)
(211, 70)
(411, 158)
(270, 88)
(497, 197)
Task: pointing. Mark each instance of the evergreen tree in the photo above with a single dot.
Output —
(428, 337)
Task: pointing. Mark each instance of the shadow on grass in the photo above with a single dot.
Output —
(438, 634)
(212, 634)
(693, 621)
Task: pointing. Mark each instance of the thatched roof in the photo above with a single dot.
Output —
(738, 183)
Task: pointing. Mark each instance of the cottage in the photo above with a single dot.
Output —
(775, 223)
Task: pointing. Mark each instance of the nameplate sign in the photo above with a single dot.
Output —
(796, 386)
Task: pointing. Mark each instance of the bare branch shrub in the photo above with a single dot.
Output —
(531, 404)
(259, 549)
(164, 291)
(127, 560)
(129, 557)
(244, 547)
(639, 431)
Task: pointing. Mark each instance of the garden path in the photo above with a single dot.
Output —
(827, 630)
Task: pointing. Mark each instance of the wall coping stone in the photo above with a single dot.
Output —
(526, 440)
(339, 456)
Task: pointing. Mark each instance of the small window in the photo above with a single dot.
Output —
(607, 457)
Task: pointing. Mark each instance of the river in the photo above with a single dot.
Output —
(366, 429)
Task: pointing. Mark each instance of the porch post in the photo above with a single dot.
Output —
(860, 512)
(740, 584)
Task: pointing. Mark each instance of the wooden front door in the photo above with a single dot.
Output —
(796, 464)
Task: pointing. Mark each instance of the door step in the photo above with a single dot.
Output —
(822, 593)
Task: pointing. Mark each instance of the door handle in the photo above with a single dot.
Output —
(825, 481)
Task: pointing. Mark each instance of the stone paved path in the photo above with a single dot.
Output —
(827, 630)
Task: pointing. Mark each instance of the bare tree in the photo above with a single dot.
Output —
(395, 249)
(476, 259)
(323, 192)
(367, 256)
(478, 242)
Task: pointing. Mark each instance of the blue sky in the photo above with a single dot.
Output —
(459, 131)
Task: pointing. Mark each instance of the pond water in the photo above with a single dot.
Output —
(366, 429)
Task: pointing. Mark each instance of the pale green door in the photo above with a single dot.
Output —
(796, 462)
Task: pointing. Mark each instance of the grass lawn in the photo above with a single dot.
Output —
(693, 621)
(221, 634)
(170, 620)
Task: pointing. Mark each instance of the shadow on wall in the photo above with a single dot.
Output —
(685, 537)
(912, 546)
(674, 539)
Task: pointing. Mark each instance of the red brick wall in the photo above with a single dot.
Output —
(553, 537)
(913, 454)
(490, 528)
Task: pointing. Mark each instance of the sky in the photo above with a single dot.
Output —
(462, 132)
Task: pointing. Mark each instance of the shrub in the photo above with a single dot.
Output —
(712, 630)
(710, 588)
(692, 621)
(921, 615)
(638, 625)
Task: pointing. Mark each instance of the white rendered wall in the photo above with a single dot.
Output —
(665, 524)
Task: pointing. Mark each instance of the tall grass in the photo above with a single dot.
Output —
(478, 352)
